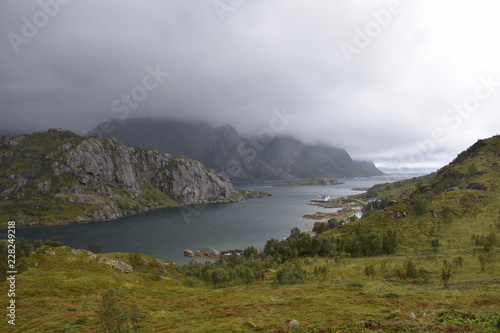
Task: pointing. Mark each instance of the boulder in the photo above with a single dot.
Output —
(250, 324)
(124, 267)
(477, 186)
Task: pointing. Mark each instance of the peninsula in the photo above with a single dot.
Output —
(57, 177)
(313, 182)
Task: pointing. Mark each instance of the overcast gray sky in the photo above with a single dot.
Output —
(402, 84)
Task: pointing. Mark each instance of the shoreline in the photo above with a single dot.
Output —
(312, 182)
(249, 194)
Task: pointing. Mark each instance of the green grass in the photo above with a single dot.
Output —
(62, 292)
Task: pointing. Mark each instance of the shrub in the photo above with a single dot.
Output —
(487, 242)
(37, 244)
(322, 247)
(250, 252)
(424, 275)
(320, 227)
(54, 241)
(220, 277)
(407, 271)
(369, 271)
(447, 214)
(291, 273)
(389, 241)
(485, 259)
(458, 261)
(490, 241)
(421, 206)
(94, 248)
(115, 319)
(367, 244)
(23, 248)
(446, 273)
(435, 244)
(334, 223)
(321, 271)
(136, 260)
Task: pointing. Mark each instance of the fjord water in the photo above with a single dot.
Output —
(167, 233)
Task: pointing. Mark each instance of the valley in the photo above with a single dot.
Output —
(424, 257)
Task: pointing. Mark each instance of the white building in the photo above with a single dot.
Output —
(322, 198)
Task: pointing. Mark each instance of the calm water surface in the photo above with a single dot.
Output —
(167, 233)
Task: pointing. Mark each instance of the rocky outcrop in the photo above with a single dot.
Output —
(239, 158)
(120, 265)
(477, 186)
(99, 178)
(98, 161)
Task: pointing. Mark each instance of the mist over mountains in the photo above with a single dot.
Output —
(239, 158)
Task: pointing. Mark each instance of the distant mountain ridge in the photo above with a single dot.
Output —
(238, 158)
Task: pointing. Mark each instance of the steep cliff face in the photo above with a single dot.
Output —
(59, 176)
(239, 158)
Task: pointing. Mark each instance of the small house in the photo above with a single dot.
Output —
(323, 198)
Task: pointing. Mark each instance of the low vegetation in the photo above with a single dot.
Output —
(423, 259)
(312, 182)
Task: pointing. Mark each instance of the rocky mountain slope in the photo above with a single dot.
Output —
(451, 204)
(476, 168)
(58, 176)
(236, 157)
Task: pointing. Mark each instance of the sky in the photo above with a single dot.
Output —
(406, 85)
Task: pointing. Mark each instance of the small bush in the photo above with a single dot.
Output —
(94, 248)
(424, 275)
(435, 244)
(55, 241)
(291, 273)
(446, 273)
(115, 319)
(321, 271)
(485, 259)
(37, 244)
(420, 207)
(458, 261)
(369, 271)
(136, 260)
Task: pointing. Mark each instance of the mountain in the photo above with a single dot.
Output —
(442, 276)
(59, 176)
(477, 168)
(450, 204)
(236, 157)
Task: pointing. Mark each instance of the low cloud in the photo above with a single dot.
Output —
(234, 64)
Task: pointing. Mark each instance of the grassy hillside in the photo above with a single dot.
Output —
(63, 292)
(424, 259)
(451, 204)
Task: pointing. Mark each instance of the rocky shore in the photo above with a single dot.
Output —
(313, 182)
(59, 177)
(211, 253)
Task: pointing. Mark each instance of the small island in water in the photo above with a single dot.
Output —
(313, 182)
